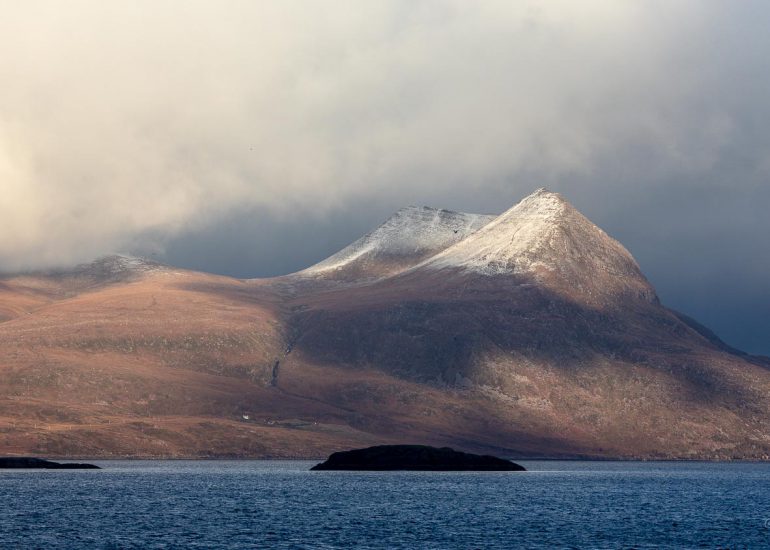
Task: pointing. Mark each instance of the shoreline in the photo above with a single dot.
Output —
(304, 459)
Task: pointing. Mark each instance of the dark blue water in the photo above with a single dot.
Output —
(272, 504)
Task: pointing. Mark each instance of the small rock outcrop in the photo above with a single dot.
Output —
(415, 457)
(25, 462)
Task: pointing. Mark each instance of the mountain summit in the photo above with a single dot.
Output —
(545, 239)
(403, 240)
(532, 333)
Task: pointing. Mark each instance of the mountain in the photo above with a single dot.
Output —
(409, 236)
(545, 239)
(531, 333)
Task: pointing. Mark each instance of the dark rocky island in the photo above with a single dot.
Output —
(25, 462)
(415, 457)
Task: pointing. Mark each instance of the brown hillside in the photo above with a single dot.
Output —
(533, 334)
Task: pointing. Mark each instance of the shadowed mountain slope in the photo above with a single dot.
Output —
(532, 333)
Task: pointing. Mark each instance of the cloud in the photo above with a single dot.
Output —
(126, 117)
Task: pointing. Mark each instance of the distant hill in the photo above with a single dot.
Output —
(529, 334)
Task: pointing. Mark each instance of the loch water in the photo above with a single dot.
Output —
(281, 504)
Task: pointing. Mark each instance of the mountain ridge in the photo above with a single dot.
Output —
(409, 235)
(556, 346)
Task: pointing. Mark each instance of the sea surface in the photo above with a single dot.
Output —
(280, 504)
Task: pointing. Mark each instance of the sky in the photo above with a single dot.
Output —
(254, 138)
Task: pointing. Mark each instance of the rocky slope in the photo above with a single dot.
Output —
(530, 334)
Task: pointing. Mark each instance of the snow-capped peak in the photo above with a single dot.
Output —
(515, 241)
(546, 238)
(406, 238)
